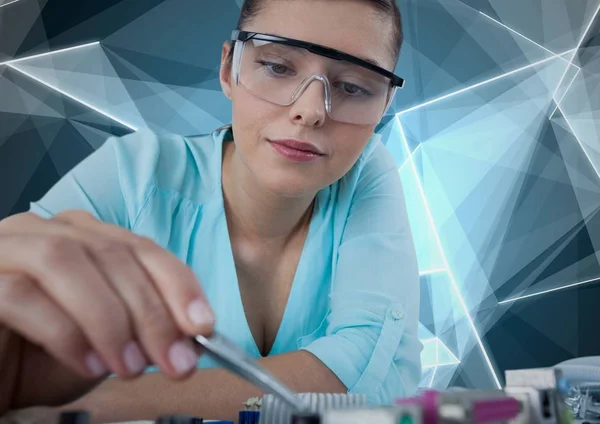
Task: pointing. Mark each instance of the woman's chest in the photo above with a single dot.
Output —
(268, 306)
(286, 307)
(265, 277)
(265, 308)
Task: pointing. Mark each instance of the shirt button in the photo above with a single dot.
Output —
(397, 314)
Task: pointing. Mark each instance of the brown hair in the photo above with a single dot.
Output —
(387, 8)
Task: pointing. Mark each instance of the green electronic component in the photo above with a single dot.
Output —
(405, 419)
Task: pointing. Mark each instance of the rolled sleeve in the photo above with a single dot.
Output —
(370, 341)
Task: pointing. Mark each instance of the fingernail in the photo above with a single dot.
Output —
(133, 358)
(95, 364)
(199, 313)
(182, 357)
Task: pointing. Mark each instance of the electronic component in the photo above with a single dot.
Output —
(178, 419)
(583, 402)
(402, 414)
(465, 407)
(306, 418)
(534, 396)
(74, 417)
(252, 413)
(249, 417)
(541, 394)
(274, 411)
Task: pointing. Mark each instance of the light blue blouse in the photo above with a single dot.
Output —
(354, 301)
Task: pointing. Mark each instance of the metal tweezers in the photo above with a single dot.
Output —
(236, 360)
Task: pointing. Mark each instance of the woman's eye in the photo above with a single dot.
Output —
(352, 89)
(276, 68)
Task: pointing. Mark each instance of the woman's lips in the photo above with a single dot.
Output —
(296, 150)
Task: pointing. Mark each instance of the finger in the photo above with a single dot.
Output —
(154, 326)
(28, 311)
(114, 249)
(65, 272)
(183, 295)
(175, 281)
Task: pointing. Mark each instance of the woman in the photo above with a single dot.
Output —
(287, 232)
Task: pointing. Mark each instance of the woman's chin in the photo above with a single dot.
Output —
(292, 187)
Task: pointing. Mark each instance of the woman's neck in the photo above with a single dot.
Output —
(255, 214)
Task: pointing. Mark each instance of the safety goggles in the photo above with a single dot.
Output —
(279, 69)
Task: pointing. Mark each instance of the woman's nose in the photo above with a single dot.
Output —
(309, 108)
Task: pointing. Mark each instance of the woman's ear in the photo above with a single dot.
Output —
(225, 71)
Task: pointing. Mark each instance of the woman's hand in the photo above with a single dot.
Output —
(80, 299)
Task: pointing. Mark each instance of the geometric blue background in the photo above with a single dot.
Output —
(496, 136)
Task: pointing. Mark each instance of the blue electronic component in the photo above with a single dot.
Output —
(249, 417)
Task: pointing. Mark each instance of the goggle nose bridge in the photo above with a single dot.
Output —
(307, 81)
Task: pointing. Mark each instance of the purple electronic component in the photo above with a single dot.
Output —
(495, 410)
(478, 408)
(429, 402)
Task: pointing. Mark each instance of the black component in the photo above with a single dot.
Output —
(74, 417)
(178, 419)
(546, 404)
(307, 418)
